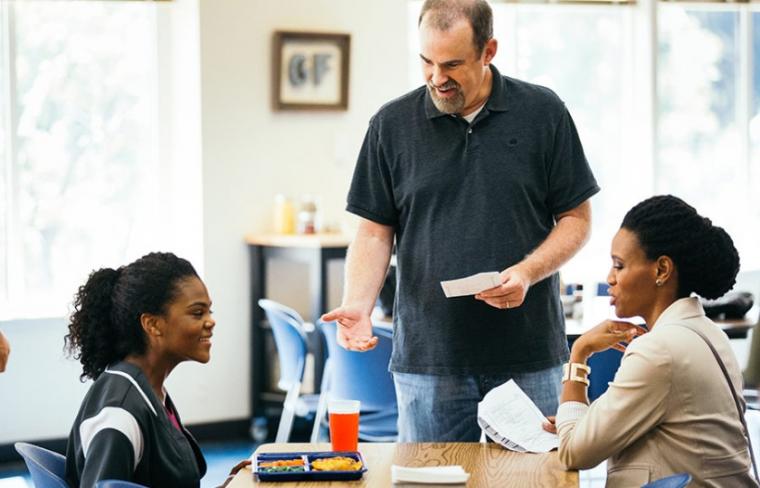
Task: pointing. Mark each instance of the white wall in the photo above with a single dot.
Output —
(249, 153)
(40, 391)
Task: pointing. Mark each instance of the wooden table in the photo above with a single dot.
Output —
(489, 465)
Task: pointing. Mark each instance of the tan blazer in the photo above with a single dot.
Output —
(668, 410)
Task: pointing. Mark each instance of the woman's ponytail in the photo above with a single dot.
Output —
(91, 338)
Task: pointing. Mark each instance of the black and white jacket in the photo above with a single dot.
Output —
(123, 432)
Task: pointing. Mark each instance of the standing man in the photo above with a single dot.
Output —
(473, 172)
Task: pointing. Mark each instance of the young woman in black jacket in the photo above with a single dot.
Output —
(130, 328)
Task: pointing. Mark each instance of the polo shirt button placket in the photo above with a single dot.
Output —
(467, 139)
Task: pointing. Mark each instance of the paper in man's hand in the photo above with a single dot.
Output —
(471, 285)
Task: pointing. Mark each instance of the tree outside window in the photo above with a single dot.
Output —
(78, 146)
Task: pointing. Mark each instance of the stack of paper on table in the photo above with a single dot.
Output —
(471, 285)
(431, 475)
(511, 419)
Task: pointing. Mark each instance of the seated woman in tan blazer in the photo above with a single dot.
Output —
(669, 408)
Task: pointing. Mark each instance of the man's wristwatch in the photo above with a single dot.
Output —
(570, 372)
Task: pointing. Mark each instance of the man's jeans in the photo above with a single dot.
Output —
(435, 408)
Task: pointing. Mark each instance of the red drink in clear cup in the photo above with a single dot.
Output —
(344, 424)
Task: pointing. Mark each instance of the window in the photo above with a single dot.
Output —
(594, 80)
(677, 116)
(82, 187)
(702, 151)
(750, 228)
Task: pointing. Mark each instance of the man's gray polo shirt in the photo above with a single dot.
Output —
(465, 199)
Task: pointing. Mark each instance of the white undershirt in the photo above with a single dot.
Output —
(469, 118)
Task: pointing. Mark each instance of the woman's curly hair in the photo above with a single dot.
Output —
(105, 325)
(704, 254)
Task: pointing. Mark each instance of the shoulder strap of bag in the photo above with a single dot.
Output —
(733, 393)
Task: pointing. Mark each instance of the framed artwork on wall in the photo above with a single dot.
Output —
(310, 70)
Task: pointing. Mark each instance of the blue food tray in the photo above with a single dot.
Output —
(308, 474)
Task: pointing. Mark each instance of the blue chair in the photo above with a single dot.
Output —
(289, 331)
(679, 480)
(603, 364)
(48, 468)
(602, 289)
(118, 484)
(362, 376)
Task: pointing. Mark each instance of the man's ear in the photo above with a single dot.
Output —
(489, 51)
(151, 324)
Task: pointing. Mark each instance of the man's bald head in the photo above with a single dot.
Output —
(442, 14)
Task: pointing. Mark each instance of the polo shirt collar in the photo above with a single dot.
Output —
(497, 100)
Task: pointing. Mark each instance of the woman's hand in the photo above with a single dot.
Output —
(608, 334)
(234, 471)
(550, 425)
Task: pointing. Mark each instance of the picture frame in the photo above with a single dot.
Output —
(310, 70)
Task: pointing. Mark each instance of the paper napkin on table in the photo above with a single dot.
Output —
(430, 475)
(471, 285)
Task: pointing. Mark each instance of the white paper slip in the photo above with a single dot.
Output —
(430, 475)
(511, 419)
(471, 285)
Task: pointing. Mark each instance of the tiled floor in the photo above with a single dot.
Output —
(220, 458)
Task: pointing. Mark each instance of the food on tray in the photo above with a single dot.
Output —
(282, 469)
(338, 463)
(281, 462)
(282, 466)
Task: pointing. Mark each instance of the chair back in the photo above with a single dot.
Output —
(290, 339)
(604, 365)
(602, 289)
(362, 376)
(679, 480)
(118, 484)
(48, 468)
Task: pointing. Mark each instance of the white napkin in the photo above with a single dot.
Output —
(431, 475)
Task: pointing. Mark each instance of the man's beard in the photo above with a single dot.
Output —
(449, 105)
